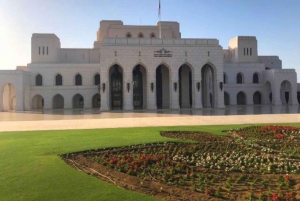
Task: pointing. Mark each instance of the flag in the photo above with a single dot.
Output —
(159, 9)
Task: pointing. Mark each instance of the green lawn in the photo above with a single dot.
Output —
(30, 168)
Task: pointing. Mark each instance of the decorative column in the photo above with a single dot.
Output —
(19, 98)
(174, 90)
(196, 88)
(293, 96)
(151, 89)
(127, 89)
(104, 89)
(276, 100)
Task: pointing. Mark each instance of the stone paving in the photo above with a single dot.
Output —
(91, 119)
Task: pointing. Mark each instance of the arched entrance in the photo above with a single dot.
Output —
(139, 79)
(241, 98)
(285, 92)
(58, 102)
(9, 97)
(257, 98)
(116, 87)
(208, 86)
(162, 87)
(226, 98)
(37, 102)
(96, 101)
(185, 86)
(78, 101)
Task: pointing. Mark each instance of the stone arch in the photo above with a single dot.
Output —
(58, 80)
(38, 80)
(9, 97)
(78, 101)
(139, 80)
(255, 78)
(37, 102)
(128, 35)
(78, 79)
(241, 98)
(208, 85)
(257, 98)
(58, 102)
(163, 91)
(140, 35)
(240, 78)
(226, 98)
(152, 35)
(116, 87)
(96, 101)
(185, 76)
(286, 92)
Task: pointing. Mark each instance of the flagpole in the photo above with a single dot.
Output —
(159, 12)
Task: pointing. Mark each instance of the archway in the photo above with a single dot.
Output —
(58, 102)
(185, 86)
(96, 101)
(78, 101)
(139, 78)
(257, 98)
(37, 102)
(162, 87)
(116, 87)
(9, 97)
(241, 98)
(226, 98)
(208, 86)
(285, 92)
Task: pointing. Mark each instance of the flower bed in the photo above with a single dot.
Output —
(249, 163)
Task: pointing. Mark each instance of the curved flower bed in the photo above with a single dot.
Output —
(251, 163)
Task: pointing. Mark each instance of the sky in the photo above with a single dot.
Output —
(275, 23)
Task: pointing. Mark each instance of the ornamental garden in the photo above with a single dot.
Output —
(251, 163)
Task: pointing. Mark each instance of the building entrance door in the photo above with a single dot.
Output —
(116, 90)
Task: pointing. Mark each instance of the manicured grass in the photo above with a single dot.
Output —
(30, 168)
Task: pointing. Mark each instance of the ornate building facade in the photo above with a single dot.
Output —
(130, 68)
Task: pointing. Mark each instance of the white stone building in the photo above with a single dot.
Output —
(130, 68)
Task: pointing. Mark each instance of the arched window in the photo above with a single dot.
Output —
(140, 35)
(97, 79)
(78, 80)
(58, 80)
(152, 35)
(38, 80)
(255, 78)
(128, 35)
(239, 78)
(225, 78)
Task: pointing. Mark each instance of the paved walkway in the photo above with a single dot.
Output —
(64, 120)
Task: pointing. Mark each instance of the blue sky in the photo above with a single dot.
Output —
(275, 23)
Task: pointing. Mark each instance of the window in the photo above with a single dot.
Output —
(47, 50)
(152, 35)
(38, 80)
(250, 51)
(128, 35)
(139, 53)
(97, 79)
(140, 35)
(239, 78)
(247, 51)
(58, 80)
(78, 80)
(208, 53)
(115, 53)
(186, 53)
(255, 78)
